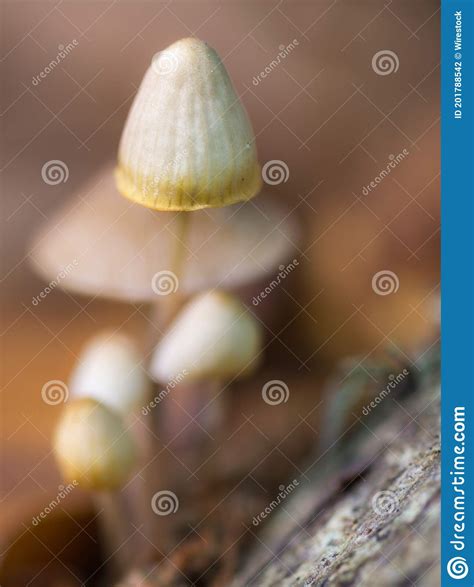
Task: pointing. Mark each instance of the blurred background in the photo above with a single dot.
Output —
(328, 110)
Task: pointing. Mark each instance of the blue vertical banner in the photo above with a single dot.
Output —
(457, 268)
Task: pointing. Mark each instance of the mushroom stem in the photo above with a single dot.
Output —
(117, 536)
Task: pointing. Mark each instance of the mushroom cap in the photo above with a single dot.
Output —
(103, 245)
(92, 446)
(110, 371)
(187, 143)
(214, 337)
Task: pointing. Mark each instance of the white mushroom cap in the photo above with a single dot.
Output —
(187, 143)
(110, 371)
(92, 446)
(214, 337)
(103, 245)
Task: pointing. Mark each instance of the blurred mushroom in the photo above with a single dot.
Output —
(102, 245)
(93, 447)
(109, 370)
(94, 450)
(213, 339)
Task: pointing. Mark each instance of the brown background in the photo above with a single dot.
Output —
(323, 111)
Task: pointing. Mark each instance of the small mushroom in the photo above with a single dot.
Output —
(102, 245)
(93, 447)
(187, 143)
(109, 370)
(94, 450)
(214, 339)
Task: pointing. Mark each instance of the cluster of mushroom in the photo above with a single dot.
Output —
(188, 170)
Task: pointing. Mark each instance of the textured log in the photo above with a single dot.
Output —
(377, 524)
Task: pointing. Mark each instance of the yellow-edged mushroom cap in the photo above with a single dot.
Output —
(187, 143)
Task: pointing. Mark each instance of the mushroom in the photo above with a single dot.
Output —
(94, 450)
(102, 245)
(214, 339)
(109, 370)
(187, 143)
(93, 447)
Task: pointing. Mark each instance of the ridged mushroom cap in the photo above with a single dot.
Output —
(103, 245)
(187, 142)
(214, 337)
